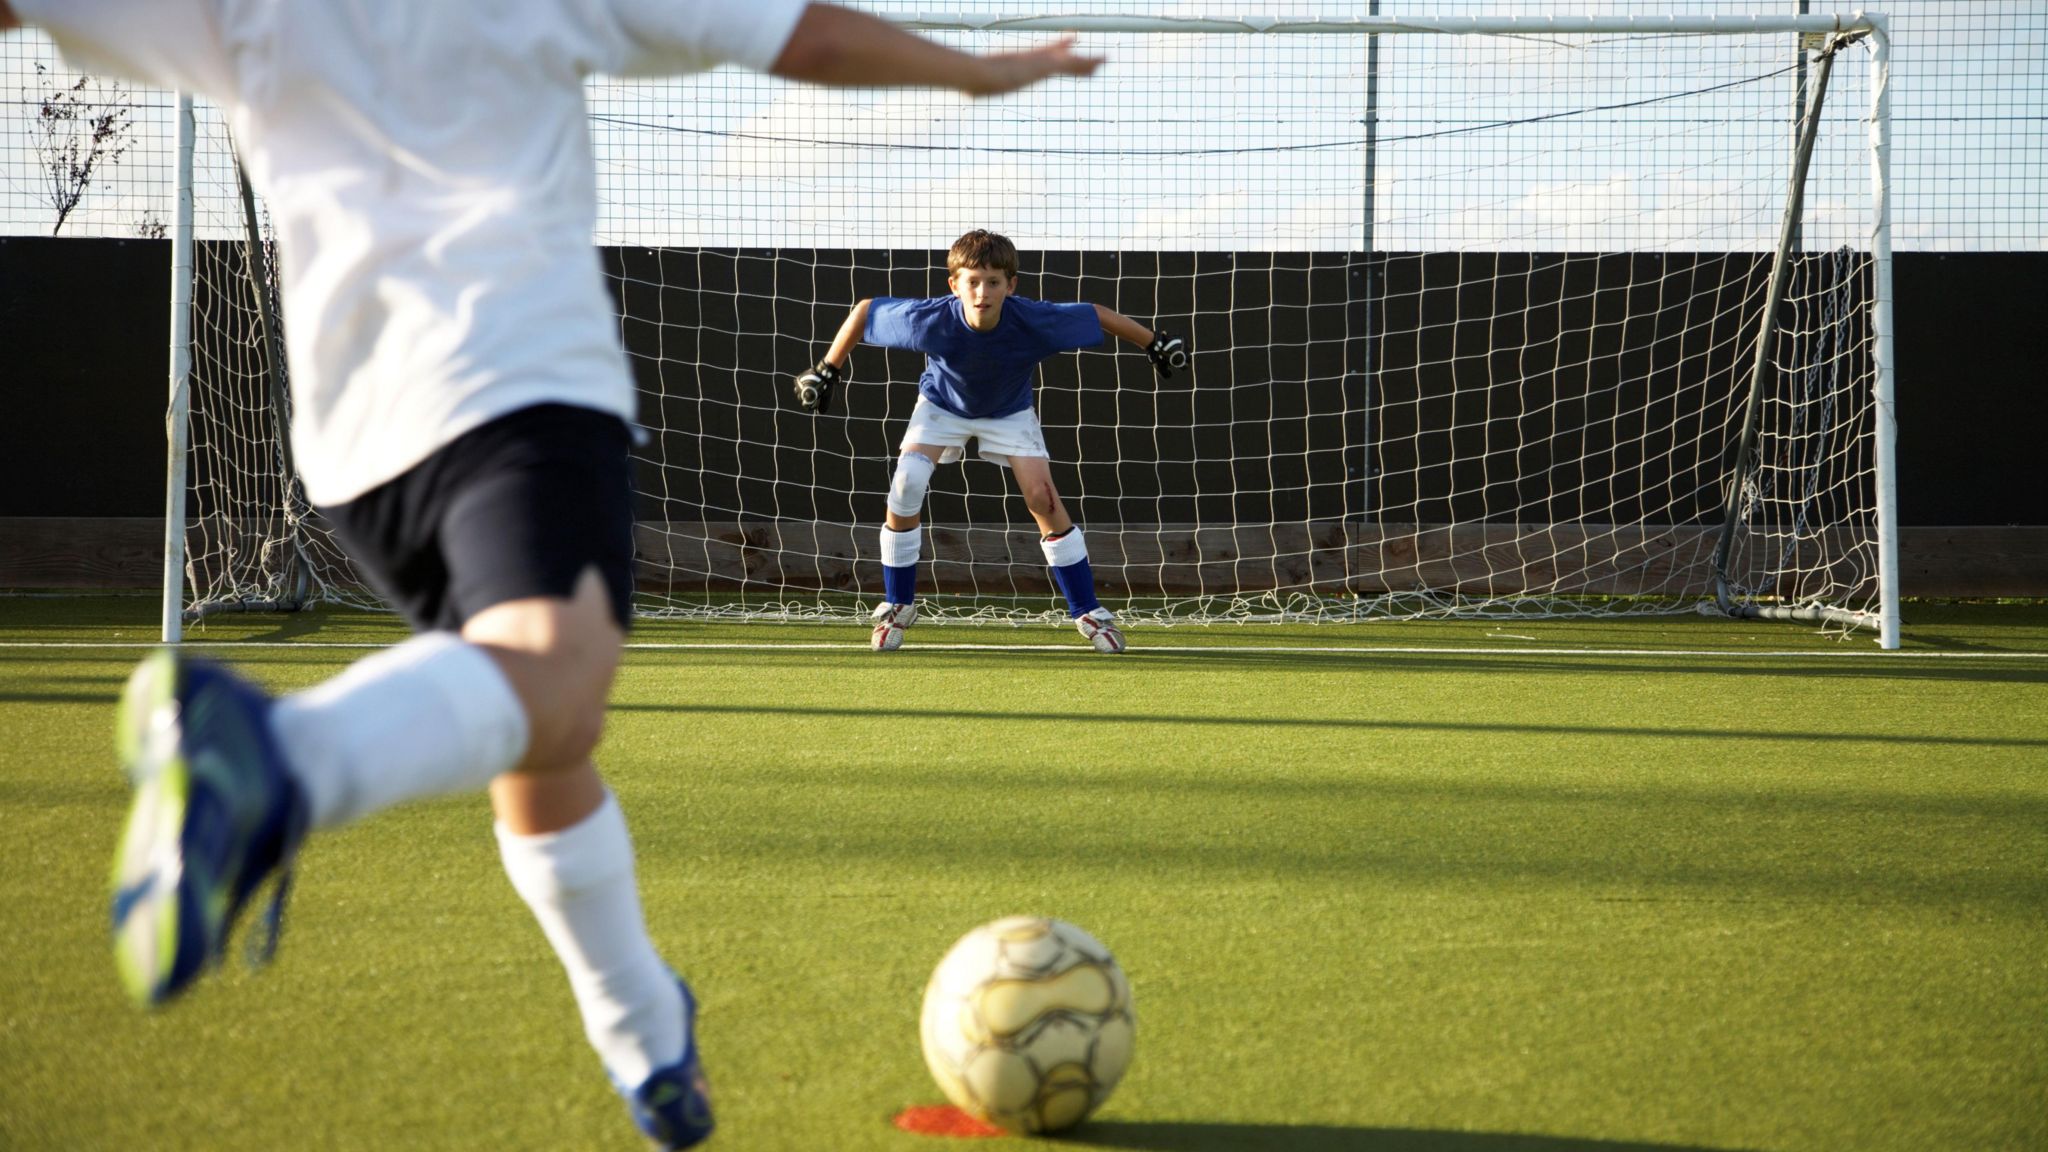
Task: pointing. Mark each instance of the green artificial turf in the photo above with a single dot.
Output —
(1671, 883)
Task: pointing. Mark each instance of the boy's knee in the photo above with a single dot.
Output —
(907, 488)
(560, 656)
(566, 740)
(564, 689)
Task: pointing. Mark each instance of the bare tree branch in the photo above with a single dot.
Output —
(77, 130)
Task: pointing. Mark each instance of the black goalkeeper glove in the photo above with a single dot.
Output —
(814, 388)
(1167, 353)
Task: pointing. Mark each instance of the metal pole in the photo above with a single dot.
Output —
(176, 421)
(1368, 25)
(258, 270)
(1767, 327)
(1881, 340)
(1798, 106)
(1367, 507)
(291, 587)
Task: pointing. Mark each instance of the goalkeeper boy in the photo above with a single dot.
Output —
(982, 347)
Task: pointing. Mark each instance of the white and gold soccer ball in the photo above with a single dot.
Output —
(1028, 1024)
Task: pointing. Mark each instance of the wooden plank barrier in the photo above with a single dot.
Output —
(1175, 559)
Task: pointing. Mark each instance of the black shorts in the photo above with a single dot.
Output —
(517, 508)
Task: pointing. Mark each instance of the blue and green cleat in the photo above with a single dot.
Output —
(215, 814)
(673, 1106)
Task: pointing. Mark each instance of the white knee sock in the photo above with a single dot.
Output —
(432, 716)
(579, 883)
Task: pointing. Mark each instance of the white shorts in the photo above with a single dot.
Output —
(998, 438)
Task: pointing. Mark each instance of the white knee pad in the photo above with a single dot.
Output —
(913, 476)
(900, 549)
(1068, 549)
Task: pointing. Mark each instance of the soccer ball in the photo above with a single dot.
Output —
(1028, 1024)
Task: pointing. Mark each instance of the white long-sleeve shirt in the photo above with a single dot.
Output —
(428, 166)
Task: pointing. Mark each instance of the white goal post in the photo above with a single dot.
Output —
(1490, 317)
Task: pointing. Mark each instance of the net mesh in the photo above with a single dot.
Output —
(1472, 320)
(1473, 317)
(252, 542)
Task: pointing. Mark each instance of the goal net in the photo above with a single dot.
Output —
(251, 540)
(1488, 318)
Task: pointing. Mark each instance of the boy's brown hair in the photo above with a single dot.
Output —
(982, 248)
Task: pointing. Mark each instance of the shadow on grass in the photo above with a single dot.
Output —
(339, 655)
(1963, 668)
(105, 699)
(1993, 668)
(1801, 667)
(298, 625)
(1124, 720)
(1198, 1137)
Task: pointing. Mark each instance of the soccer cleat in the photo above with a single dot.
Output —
(215, 813)
(890, 621)
(673, 1106)
(1099, 626)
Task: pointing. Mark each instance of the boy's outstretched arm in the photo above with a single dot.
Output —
(1166, 351)
(849, 335)
(842, 47)
(814, 387)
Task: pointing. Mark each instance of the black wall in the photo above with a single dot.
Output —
(84, 376)
(83, 331)
(1972, 387)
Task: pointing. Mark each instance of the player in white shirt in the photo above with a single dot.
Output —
(462, 414)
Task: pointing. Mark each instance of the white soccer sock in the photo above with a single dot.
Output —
(579, 883)
(432, 716)
(901, 549)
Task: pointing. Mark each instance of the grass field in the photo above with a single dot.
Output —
(1659, 884)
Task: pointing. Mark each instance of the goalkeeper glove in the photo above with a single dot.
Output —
(1167, 353)
(814, 388)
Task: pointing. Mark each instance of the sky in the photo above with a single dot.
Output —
(1257, 142)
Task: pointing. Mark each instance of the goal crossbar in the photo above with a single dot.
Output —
(1386, 25)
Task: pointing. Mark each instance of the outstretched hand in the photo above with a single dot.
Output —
(1167, 352)
(1009, 71)
(814, 388)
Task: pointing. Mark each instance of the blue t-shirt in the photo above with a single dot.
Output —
(981, 374)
